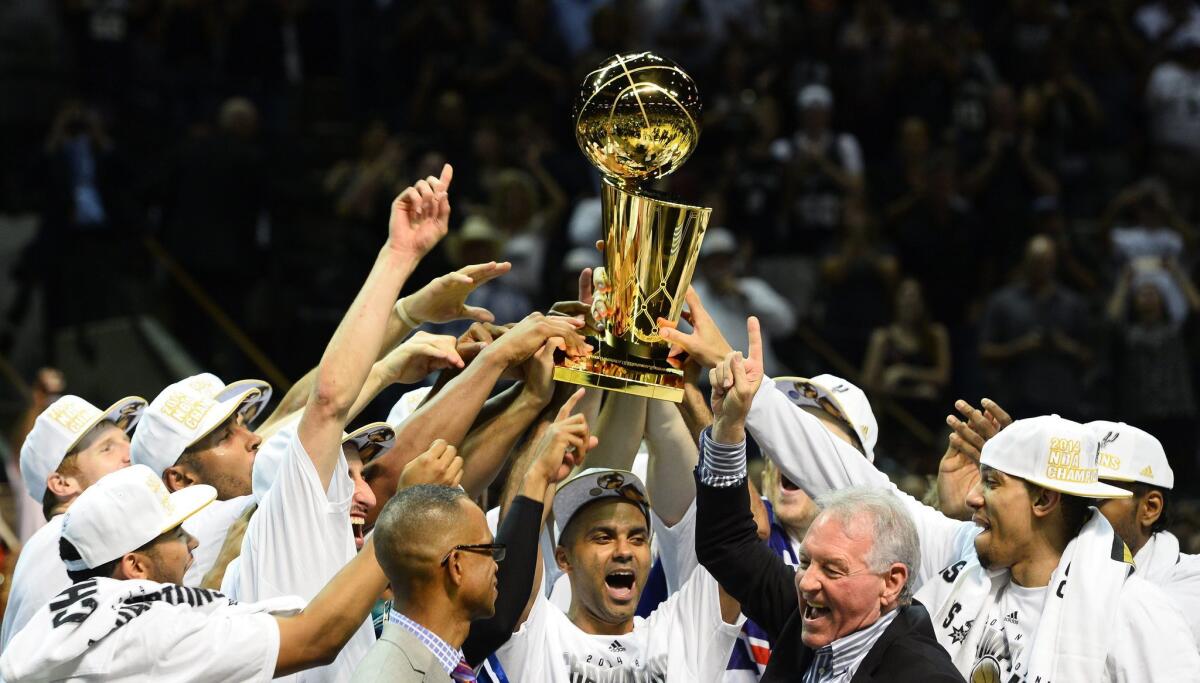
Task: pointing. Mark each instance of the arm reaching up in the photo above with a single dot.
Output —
(420, 217)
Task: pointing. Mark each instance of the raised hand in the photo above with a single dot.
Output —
(440, 464)
(563, 445)
(537, 372)
(706, 345)
(444, 298)
(734, 382)
(421, 216)
(581, 309)
(529, 335)
(420, 355)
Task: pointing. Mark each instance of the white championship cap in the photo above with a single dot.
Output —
(59, 429)
(594, 484)
(841, 399)
(375, 438)
(407, 405)
(1131, 454)
(208, 384)
(179, 417)
(1051, 452)
(124, 511)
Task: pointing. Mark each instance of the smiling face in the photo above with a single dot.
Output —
(168, 557)
(794, 509)
(838, 592)
(362, 505)
(1003, 509)
(102, 450)
(606, 553)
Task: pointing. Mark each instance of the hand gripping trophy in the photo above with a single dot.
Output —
(637, 118)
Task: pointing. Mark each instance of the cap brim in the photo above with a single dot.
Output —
(832, 398)
(186, 502)
(239, 387)
(215, 418)
(380, 435)
(128, 409)
(1096, 490)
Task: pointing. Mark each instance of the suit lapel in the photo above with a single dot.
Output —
(901, 625)
(419, 657)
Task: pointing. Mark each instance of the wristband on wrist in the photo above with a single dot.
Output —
(402, 313)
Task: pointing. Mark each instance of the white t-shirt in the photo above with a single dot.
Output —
(39, 575)
(210, 526)
(297, 540)
(685, 639)
(104, 629)
(1008, 630)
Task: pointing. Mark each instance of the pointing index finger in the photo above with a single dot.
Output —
(754, 332)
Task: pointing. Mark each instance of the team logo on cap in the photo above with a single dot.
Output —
(615, 481)
(1104, 459)
(1064, 463)
(155, 484)
(72, 415)
(1146, 471)
(186, 409)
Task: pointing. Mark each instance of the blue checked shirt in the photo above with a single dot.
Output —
(447, 656)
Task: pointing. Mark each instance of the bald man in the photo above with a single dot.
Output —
(440, 558)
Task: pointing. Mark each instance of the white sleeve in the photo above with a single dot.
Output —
(777, 315)
(677, 548)
(1150, 641)
(300, 535)
(688, 632)
(189, 645)
(818, 462)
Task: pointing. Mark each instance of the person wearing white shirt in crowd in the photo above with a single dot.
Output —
(729, 298)
(197, 431)
(604, 549)
(126, 618)
(997, 588)
(72, 445)
(1134, 460)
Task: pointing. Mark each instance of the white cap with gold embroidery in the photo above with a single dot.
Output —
(124, 511)
(841, 399)
(180, 416)
(1051, 452)
(59, 429)
(1131, 454)
(208, 384)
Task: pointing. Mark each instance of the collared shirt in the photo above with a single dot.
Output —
(721, 465)
(838, 661)
(447, 656)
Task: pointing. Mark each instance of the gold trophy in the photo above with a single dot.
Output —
(637, 118)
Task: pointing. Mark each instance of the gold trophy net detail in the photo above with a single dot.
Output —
(636, 119)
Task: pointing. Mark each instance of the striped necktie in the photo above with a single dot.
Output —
(463, 673)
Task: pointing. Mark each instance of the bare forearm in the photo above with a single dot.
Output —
(695, 411)
(620, 427)
(489, 443)
(673, 455)
(292, 401)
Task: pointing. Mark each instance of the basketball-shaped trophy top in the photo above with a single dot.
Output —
(637, 117)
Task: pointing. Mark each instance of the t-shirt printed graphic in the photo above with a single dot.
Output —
(1007, 630)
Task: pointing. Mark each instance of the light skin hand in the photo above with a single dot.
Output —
(421, 354)
(529, 335)
(420, 216)
(444, 299)
(560, 449)
(705, 344)
(441, 464)
(734, 383)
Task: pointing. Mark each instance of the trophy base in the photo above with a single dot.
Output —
(664, 384)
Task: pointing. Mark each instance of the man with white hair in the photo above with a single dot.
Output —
(1038, 586)
(72, 445)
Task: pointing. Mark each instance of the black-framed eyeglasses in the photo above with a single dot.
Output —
(496, 550)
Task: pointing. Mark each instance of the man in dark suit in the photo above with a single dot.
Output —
(847, 614)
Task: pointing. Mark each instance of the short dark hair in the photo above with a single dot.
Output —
(406, 518)
(68, 552)
(1141, 489)
(1075, 508)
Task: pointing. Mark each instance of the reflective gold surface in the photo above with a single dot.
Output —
(636, 119)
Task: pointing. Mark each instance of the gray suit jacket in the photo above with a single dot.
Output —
(400, 658)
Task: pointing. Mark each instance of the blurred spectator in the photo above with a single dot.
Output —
(1032, 338)
(479, 241)
(362, 187)
(1173, 108)
(1153, 368)
(1161, 20)
(824, 168)
(857, 280)
(909, 360)
(730, 297)
(1142, 227)
(526, 212)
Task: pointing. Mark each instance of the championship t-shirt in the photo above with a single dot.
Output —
(685, 639)
(1007, 630)
(40, 575)
(297, 540)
